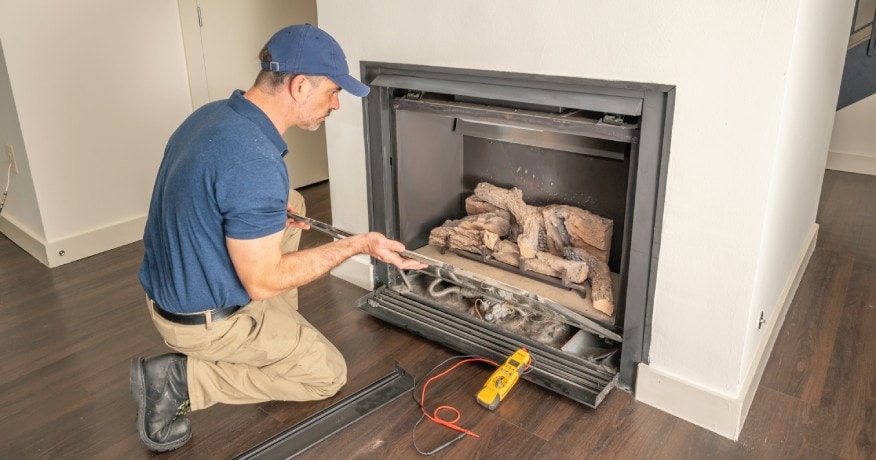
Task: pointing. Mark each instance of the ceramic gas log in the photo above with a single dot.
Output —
(561, 241)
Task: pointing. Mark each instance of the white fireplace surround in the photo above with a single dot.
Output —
(756, 89)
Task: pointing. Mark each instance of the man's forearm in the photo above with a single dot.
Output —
(298, 268)
(265, 272)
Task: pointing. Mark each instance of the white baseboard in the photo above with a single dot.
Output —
(721, 413)
(849, 162)
(357, 270)
(26, 240)
(688, 401)
(75, 247)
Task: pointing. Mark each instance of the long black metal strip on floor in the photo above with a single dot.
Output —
(321, 425)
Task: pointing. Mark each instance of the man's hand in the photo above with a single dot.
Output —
(290, 222)
(387, 250)
(265, 271)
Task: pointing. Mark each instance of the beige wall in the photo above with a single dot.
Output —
(864, 15)
(23, 203)
(98, 86)
(221, 55)
(89, 93)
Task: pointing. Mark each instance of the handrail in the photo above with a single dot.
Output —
(867, 32)
(860, 36)
(871, 48)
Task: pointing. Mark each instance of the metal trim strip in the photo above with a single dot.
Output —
(334, 418)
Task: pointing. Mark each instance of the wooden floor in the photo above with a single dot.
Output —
(67, 335)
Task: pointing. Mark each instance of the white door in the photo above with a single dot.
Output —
(223, 39)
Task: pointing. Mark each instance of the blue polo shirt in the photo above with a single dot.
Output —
(222, 175)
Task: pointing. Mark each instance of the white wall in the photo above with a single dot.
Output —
(98, 87)
(853, 145)
(736, 187)
(806, 120)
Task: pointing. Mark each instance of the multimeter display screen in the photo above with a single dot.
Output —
(513, 363)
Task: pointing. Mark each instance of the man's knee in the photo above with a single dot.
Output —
(321, 370)
(331, 386)
(325, 381)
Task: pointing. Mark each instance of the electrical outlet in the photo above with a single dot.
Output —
(11, 155)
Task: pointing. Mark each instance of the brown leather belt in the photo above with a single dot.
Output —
(192, 319)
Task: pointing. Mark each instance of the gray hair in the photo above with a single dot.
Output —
(270, 80)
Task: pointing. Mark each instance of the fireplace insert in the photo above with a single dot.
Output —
(572, 168)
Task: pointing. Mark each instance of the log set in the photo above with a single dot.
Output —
(527, 217)
(562, 241)
(569, 226)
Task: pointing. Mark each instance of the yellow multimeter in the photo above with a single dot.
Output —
(503, 379)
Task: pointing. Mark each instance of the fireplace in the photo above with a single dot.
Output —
(434, 134)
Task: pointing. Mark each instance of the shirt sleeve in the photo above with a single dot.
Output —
(252, 198)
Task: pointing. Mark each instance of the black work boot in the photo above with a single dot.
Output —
(159, 386)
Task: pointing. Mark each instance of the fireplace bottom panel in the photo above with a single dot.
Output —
(572, 376)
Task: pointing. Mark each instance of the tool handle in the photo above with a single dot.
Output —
(322, 227)
(337, 233)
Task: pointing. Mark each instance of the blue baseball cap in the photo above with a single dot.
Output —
(308, 50)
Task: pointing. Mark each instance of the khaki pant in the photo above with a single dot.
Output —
(266, 351)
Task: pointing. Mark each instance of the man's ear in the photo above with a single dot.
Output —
(299, 87)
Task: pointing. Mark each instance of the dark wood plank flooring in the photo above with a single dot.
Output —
(67, 336)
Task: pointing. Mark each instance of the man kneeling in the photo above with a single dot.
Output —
(222, 267)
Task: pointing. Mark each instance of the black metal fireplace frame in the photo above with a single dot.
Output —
(653, 103)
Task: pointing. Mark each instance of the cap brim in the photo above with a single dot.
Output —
(351, 85)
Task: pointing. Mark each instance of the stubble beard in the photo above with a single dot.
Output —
(315, 124)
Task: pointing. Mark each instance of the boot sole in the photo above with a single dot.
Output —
(138, 393)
